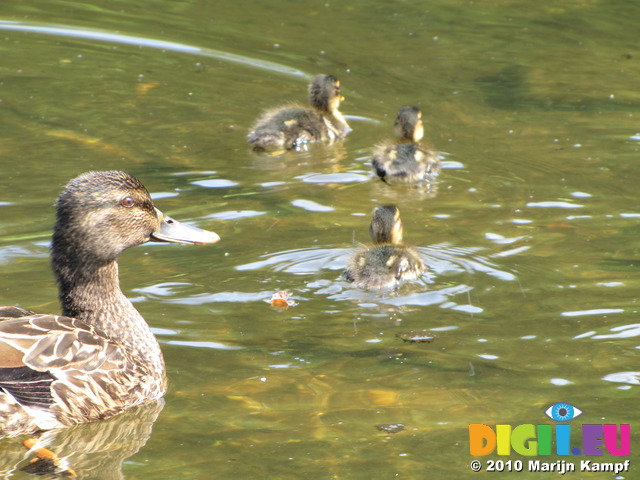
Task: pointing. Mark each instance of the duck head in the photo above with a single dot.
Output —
(101, 214)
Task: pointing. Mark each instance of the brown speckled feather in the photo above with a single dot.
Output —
(71, 371)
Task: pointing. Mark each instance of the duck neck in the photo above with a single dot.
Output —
(336, 124)
(90, 291)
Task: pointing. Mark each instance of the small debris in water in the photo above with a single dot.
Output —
(417, 337)
(281, 300)
(390, 427)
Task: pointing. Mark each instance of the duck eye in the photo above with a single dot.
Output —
(128, 202)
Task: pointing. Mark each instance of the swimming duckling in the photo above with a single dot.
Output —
(99, 357)
(293, 126)
(404, 159)
(387, 262)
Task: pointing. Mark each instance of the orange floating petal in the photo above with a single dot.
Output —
(281, 300)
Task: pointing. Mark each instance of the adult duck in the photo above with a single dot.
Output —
(99, 357)
(294, 126)
(387, 262)
(405, 159)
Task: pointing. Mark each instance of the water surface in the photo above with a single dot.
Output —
(529, 233)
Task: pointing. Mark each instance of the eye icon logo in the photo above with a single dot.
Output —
(562, 412)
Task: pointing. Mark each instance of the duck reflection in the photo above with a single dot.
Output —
(89, 450)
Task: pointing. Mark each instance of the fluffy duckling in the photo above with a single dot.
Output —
(99, 357)
(387, 262)
(292, 126)
(404, 159)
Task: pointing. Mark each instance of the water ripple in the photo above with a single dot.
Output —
(595, 311)
(554, 204)
(630, 378)
(621, 331)
(302, 261)
(215, 183)
(311, 206)
(104, 36)
(439, 258)
(347, 177)
(195, 344)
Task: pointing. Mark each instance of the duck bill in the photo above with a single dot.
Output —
(173, 231)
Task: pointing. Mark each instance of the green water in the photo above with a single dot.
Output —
(530, 233)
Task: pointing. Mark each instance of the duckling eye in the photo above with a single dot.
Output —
(128, 202)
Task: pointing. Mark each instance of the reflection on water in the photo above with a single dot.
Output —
(93, 450)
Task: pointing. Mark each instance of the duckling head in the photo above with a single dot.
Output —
(408, 124)
(386, 226)
(325, 93)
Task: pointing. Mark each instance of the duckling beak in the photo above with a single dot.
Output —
(173, 231)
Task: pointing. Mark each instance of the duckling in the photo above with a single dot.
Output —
(405, 160)
(99, 357)
(387, 262)
(292, 126)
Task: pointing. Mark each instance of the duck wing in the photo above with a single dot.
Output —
(14, 312)
(61, 369)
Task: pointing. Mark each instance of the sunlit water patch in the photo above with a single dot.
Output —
(311, 206)
(554, 204)
(114, 37)
(629, 378)
(161, 195)
(202, 344)
(173, 292)
(9, 253)
(346, 177)
(619, 332)
(234, 214)
(451, 165)
(223, 297)
(159, 290)
(215, 183)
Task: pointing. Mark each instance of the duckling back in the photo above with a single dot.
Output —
(387, 262)
(404, 162)
(383, 267)
(292, 126)
(287, 127)
(405, 159)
